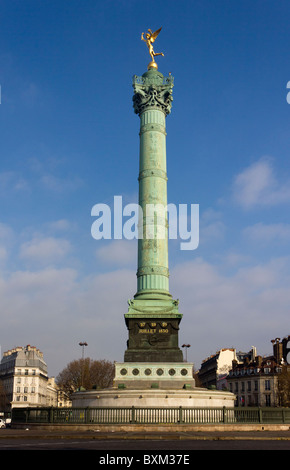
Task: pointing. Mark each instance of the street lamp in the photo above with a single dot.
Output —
(83, 344)
(185, 346)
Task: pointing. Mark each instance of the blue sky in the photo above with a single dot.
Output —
(69, 140)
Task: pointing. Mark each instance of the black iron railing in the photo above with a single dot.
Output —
(134, 415)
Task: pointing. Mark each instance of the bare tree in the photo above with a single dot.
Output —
(4, 400)
(284, 386)
(86, 373)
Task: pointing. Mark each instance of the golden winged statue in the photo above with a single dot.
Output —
(149, 39)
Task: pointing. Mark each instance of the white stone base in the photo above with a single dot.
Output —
(113, 397)
(146, 375)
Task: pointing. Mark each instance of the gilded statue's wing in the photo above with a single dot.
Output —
(154, 35)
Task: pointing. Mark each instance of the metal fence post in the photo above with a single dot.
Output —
(225, 415)
(50, 415)
(260, 415)
(133, 415)
(87, 415)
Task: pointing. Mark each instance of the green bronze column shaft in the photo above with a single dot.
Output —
(153, 273)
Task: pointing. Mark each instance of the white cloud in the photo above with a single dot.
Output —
(258, 185)
(118, 252)
(3, 253)
(60, 184)
(7, 238)
(211, 226)
(234, 259)
(247, 307)
(12, 181)
(6, 232)
(54, 309)
(44, 250)
(61, 225)
(268, 233)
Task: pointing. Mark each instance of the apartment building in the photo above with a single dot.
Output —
(215, 369)
(254, 380)
(56, 396)
(23, 375)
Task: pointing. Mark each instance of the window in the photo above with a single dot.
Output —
(256, 385)
(267, 385)
(26, 372)
(249, 386)
(243, 386)
(25, 389)
(268, 400)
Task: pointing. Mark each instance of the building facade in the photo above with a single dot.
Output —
(215, 369)
(23, 374)
(24, 381)
(254, 380)
(55, 396)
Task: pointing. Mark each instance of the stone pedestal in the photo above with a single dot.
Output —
(153, 327)
(154, 375)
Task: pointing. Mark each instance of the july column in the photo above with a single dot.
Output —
(152, 101)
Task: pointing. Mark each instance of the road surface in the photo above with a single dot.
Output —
(128, 443)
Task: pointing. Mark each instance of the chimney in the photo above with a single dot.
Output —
(277, 350)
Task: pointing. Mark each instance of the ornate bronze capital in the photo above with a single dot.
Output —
(152, 91)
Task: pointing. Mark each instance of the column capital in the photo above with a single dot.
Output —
(152, 91)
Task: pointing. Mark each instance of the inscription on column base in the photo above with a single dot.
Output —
(153, 340)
